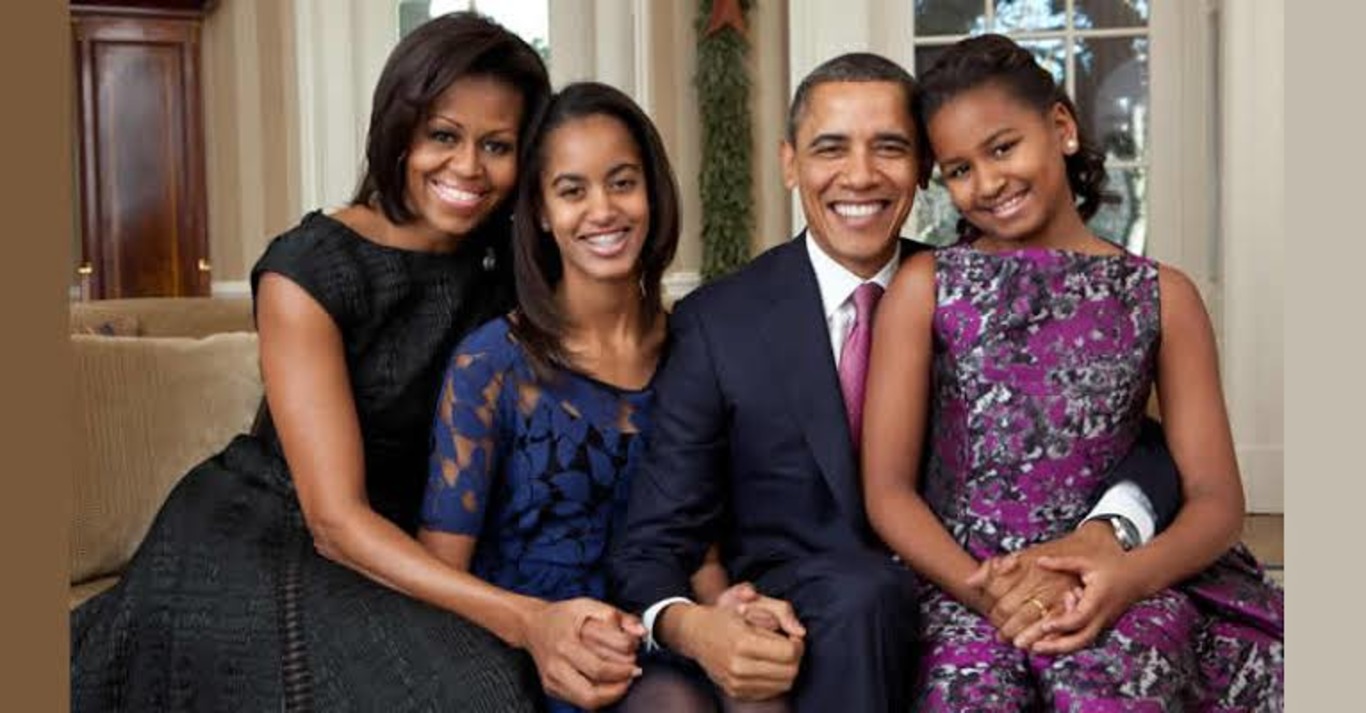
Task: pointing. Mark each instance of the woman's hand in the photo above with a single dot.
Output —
(571, 668)
(1022, 594)
(1018, 594)
(611, 641)
(1108, 590)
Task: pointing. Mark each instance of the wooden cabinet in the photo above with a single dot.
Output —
(139, 124)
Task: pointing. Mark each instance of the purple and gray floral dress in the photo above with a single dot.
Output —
(1043, 362)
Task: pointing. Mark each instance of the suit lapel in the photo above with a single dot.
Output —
(799, 344)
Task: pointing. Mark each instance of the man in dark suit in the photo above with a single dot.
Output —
(756, 427)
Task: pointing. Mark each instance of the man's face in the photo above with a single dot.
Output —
(855, 166)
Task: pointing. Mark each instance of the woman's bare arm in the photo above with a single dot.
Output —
(309, 393)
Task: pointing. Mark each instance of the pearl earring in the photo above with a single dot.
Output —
(1071, 145)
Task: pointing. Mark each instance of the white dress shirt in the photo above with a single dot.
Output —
(837, 285)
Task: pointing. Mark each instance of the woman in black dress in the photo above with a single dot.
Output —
(282, 573)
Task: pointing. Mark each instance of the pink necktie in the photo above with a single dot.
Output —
(854, 357)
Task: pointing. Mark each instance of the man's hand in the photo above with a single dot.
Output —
(1024, 593)
(748, 662)
(758, 610)
(572, 669)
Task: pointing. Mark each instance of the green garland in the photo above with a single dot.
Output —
(726, 183)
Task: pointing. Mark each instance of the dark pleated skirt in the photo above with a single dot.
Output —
(227, 607)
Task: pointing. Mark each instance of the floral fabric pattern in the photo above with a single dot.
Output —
(539, 472)
(1043, 363)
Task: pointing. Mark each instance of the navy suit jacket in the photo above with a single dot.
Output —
(751, 445)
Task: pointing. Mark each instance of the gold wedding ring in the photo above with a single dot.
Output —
(1043, 610)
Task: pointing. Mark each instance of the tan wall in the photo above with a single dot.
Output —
(673, 106)
(251, 130)
(769, 96)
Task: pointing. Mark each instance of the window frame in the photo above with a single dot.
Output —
(1183, 134)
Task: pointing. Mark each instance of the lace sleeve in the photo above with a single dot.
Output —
(464, 456)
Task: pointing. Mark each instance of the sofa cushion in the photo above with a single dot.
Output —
(108, 325)
(167, 316)
(149, 408)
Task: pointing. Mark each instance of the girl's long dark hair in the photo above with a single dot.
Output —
(540, 325)
(999, 61)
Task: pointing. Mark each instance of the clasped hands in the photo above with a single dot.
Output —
(585, 651)
(749, 644)
(1057, 597)
(1052, 598)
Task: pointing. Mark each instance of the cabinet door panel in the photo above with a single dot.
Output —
(142, 154)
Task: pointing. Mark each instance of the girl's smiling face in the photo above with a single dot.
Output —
(1003, 162)
(596, 201)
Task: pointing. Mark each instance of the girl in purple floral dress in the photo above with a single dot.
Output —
(1030, 347)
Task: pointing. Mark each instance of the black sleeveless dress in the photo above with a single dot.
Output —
(226, 606)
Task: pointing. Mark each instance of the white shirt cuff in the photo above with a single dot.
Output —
(1127, 499)
(648, 619)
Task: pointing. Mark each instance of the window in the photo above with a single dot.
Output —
(1099, 51)
(530, 19)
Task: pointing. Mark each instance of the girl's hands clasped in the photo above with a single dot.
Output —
(1108, 590)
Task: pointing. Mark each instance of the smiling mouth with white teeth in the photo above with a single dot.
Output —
(1007, 207)
(857, 211)
(455, 196)
(607, 244)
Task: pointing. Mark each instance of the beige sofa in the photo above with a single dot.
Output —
(160, 385)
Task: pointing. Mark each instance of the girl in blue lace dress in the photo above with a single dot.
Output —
(1031, 346)
(543, 413)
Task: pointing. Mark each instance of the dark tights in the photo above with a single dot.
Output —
(665, 689)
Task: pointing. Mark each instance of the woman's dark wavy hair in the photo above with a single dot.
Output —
(997, 60)
(541, 325)
(423, 65)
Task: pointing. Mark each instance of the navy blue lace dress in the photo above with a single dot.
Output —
(537, 470)
(226, 606)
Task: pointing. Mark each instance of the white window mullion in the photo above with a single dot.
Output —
(1070, 49)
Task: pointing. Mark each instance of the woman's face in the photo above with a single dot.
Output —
(596, 202)
(1003, 161)
(462, 162)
